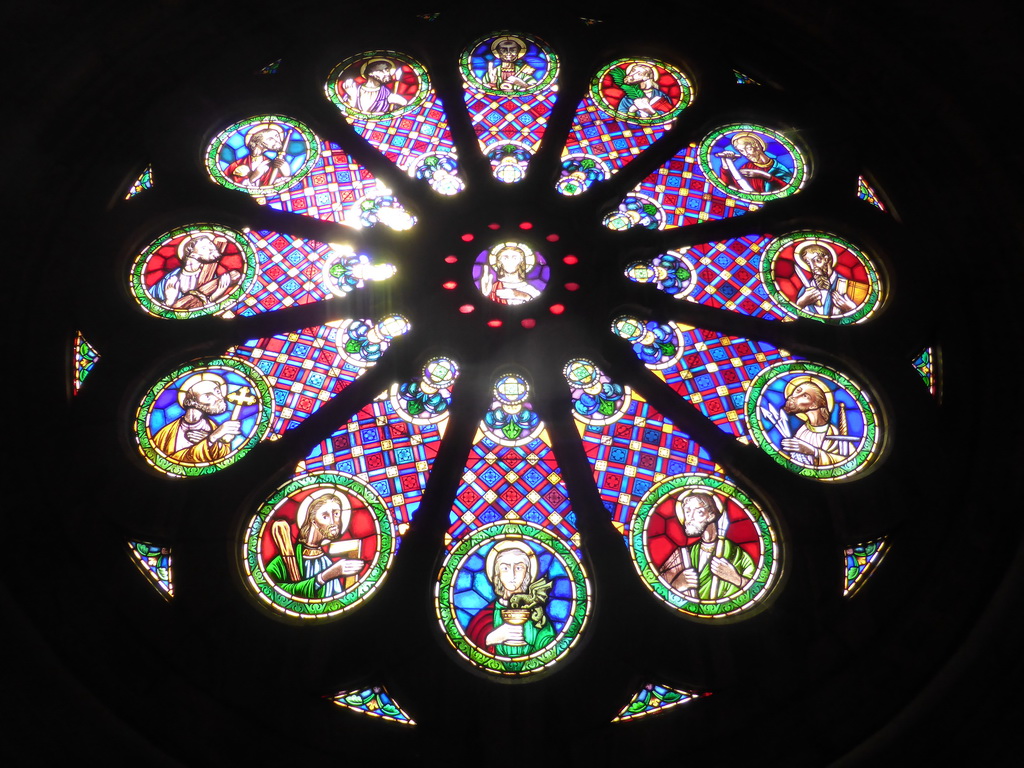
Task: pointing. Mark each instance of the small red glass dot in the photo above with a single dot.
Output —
(570, 259)
(467, 238)
(557, 309)
(450, 285)
(568, 286)
(528, 322)
(526, 225)
(552, 238)
(451, 259)
(466, 309)
(494, 323)
(494, 226)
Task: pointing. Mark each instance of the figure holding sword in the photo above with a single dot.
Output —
(760, 172)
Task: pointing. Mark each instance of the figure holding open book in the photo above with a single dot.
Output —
(327, 557)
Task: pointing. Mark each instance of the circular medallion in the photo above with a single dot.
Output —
(321, 544)
(512, 598)
(658, 345)
(377, 85)
(813, 420)
(822, 277)
(427, 400)
(262, 154)
(204, 416)
(596, 399)
(195, 270)
(508, 64)
(673, 272)
(511, 273)
(752, 162)
(701, 545)
(644, 91)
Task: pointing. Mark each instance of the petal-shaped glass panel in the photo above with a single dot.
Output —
(698, 542)
(210, 269)
(209, 413)
(324, 541)
(510, 89)
(807, 274)
(282, 164)
(512, 595)
(810, 418)
(387, 97)
(735, 169)
(632, 103)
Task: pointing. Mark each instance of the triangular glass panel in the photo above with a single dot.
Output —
(155, 562)
(653, 699)
(85, 358)
(144, 182)
(861, 562)
(374, 701)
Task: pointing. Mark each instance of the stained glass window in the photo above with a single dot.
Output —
(155, 564)
(141, 184)
(861, 562)
(654, 699)
(84, 359)
(374, 701)
(926, 366)
(497, 388)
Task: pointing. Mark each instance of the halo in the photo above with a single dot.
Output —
(798, 253)
(346, 507)
(260, 127)
(748, 135)
(506, 544)
(721, 520)
(394, 65)
(194, 236)
(529, 258)
(649, 64)
(830, 401)
(523, 47)
(191, 381)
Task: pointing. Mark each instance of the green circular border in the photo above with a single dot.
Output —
(868, 308)
(470, 79)
(213, 167)
(767, 570)
(865, 456)
(445, 606)
(800, 174)
(161, 462)
(142, 296)
(352, 115)
(686, 92)
(297, 608)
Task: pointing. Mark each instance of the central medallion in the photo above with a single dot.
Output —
(511, 273)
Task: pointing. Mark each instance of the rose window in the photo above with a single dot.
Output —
(492, 342)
